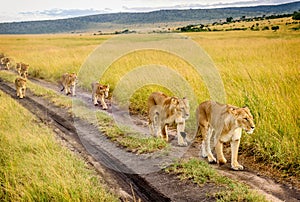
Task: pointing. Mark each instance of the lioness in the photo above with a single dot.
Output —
(20, 84)
(22, 69)
(225, 122)
(167, 113)
(68, 81)
(99, 91)
(5, 61)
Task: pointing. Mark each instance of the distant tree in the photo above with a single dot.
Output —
(229, 19)
(296, 16)
(275, 28)
(265, 28)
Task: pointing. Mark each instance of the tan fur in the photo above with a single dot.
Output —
(22, 69)
(5, 61)
(163, 111)
(225, 123)
(20, 84)
(68, 82)
(99, 91)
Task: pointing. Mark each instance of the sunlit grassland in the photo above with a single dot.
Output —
(34, 167)
(49, 56)
(261, 70)
(285, 24)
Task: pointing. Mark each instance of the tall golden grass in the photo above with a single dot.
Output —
(34, 167)
(49, 56)
(259, 69)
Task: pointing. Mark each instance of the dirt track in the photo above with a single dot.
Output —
(125, 171)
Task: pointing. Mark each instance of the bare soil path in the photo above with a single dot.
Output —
(125, 171)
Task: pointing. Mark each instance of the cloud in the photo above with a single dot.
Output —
(62, 13)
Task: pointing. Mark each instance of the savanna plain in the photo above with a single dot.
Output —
(259, 69)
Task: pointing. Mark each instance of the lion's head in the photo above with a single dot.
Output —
(103, 89)
(20, 82)
(243, 118)
(24, 70)
(184, 107)
(72, 78)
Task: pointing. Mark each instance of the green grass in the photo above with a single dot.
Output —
(34, 167)
(126, 137)
(201, 173)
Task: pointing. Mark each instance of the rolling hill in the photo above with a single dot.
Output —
(117, 21)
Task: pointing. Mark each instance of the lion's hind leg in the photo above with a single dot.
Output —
(206, 144)
(165, 135)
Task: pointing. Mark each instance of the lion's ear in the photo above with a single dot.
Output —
(174, 101)
(107, 85)
(232, 111)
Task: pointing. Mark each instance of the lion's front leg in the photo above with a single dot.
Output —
(104, 106)
(24, 92)
(67, 90)
(219, 151)
(234, 155)
(181, 135)
(18, 92)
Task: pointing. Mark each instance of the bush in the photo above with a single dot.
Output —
(275, 27)
(265, 28)
(296, 16)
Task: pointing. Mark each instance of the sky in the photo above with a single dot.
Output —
(28, 10)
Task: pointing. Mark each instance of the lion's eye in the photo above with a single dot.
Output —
(246, 119)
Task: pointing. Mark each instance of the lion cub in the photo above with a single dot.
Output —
(22, 69)
(99, 91)
(225, 123)
(20, 84)
(5, 61)
(68, 81)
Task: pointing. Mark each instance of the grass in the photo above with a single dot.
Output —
(225, 189)
(264, 76)
(126, 137)
(49, 56)
(259, 69)
(34, 167)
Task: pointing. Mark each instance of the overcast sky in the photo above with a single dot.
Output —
(24, 10)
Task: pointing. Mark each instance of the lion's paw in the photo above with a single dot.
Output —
(211, 159)
(183, 144)
(222, 161)
(237, 167)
